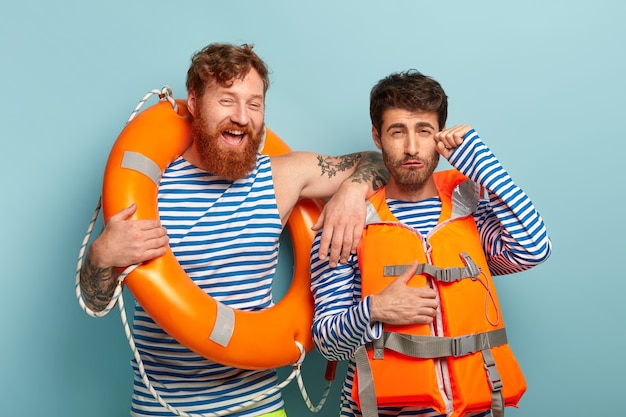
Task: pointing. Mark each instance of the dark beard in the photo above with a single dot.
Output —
(229, 164)
(411, 180)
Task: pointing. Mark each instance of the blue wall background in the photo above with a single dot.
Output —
(542, 82)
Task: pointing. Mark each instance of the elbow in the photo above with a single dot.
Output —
(323, 348)
(545, 251)
(327, 345)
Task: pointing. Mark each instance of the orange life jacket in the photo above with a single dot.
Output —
(461, 363)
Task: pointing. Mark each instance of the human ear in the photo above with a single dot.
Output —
(376, 138)
(191, 103)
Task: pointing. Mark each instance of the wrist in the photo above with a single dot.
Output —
(355, 184)
(372, 305)
(94, 256)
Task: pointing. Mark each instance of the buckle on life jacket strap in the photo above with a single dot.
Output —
(437, 347)
(453, 274)
(430, 347)
(495, 381)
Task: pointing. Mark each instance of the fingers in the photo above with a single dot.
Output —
(319, 223)
(137, 225)
(341, 233)
(356, 238)
(144, 224)
(406, 276)
(426, 316)
(143, 243)
(151, 254)
(449, 139)
(124, 213)
(327, 234)
(425, 304)
(125, 242)
(337, 242)
(400, 304)
(154, 237)
(350, 243)
(331, 244)
(325, 240)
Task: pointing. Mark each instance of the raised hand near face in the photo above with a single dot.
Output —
(448, 140)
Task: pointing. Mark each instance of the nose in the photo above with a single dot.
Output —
(411, 145)
(240, 115)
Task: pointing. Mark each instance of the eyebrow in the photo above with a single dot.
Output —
(403, 125)
(259, 97)
(230, 93)
(424, 124)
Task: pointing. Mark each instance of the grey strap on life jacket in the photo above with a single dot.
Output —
(365, 378)
(495, 382)
(471, 270)
(430, 347)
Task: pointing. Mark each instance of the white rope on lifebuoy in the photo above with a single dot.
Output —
(118, 289)
(306, 398)
(117, 298)
(166, 94)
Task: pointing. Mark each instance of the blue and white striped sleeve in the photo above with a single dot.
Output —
(513, 234)
(341, 321)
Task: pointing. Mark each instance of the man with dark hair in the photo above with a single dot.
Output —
(415, 310)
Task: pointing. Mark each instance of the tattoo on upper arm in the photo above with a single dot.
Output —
(330, 165)
(370, 167)
(97, 285)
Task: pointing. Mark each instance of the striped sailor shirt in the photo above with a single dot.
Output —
(226, 237)
(514, 239)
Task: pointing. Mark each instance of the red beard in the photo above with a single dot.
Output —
(231, 164)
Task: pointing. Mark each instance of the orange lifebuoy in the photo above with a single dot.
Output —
(257, 340)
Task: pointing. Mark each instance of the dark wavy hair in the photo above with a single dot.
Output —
(409, 90)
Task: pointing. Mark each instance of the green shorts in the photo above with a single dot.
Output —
(277, 413)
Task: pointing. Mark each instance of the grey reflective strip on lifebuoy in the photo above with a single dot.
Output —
(224, 325)
(143, 164)
(225, 320)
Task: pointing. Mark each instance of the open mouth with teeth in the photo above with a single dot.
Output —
(234, 137)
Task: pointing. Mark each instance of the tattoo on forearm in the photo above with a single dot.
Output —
(97, 285)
